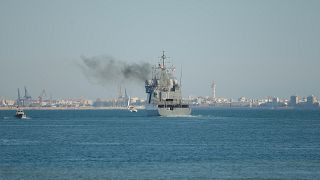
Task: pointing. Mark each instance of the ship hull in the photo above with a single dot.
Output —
(167, 112)
(21, 116)
(152, 111)
(174, 112)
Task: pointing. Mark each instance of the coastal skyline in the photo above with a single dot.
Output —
(249, 48)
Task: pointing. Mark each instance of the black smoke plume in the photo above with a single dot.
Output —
(105, 70)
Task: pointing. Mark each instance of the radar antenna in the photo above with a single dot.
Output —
(181, 76)
(163, 59)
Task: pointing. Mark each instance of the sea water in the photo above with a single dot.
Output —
(118, 144)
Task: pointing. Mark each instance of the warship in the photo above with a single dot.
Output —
(164, 92)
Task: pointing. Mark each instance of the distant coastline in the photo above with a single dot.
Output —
(67, 108)
(142, 107)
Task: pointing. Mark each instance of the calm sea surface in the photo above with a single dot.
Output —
(117, 144)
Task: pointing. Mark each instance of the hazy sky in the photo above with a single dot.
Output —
(250, 48)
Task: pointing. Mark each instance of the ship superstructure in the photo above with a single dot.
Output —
(164, 92)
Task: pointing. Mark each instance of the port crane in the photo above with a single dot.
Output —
(42, 96)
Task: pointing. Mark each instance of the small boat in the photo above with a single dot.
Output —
(20, 114)
(130, 107)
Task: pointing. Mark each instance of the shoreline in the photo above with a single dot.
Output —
(142, 107)
(69, 108)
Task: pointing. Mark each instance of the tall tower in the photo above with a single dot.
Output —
(120, 92)
(213, 86)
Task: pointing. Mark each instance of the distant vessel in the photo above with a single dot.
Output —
(20, 114)
(164, 92)
(130, 107)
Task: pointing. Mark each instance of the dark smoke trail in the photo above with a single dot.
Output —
(105, 69)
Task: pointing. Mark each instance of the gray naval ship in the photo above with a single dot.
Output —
(164, 92)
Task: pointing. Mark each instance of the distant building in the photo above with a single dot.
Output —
(242, 99)
(5, 102)
(275, 100)
(311, 100)
(213, 86)
(294, 100)
(304, 103)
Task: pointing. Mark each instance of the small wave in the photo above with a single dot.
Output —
(96, 143)
(12, 142)
(13, 117)
(140, 144)
(85, 159)
(178, 116)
